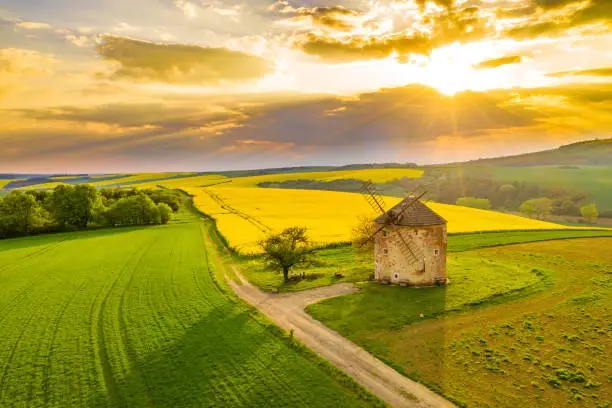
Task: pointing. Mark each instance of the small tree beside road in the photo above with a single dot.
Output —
(290, 248)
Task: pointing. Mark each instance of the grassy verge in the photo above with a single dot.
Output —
(535, 336)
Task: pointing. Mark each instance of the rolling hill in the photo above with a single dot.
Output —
(596, 152)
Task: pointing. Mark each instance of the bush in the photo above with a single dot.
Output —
(135, 210)
(171, 198)
(21, 214)
(480, 203)
(165, 213)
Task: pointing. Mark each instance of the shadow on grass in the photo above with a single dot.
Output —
(224, 360)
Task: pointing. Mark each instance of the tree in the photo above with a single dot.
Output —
(20, 214)
(75, 206)
(527, 208)
(480, 203)
(541, 207)
(165, 213)
(288, 249)
(361, 235)
(589, 212)
(135, 210)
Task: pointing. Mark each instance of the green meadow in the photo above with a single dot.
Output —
(521, 325)
(140, 317)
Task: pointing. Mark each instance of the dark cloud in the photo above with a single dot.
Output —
(357, 48)
(121, 114)
(600, 72)
(553, 4)
(543, 23)
(376, 125)
(414, 113)
(498, 62)
(449, 27)
(334, 18)
(143, 61)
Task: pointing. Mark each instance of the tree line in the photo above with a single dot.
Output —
(69, 208)
(477, 192)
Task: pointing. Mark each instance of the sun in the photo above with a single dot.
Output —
(450, 69)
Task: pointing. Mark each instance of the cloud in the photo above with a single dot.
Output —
(31, 25)
(436, 30)
(16, 61)
(498, 62)
(143, 61)
(356, 49)
(412, 123)
(188, 8)
(597, 72)
(336, 18)
(553, 18)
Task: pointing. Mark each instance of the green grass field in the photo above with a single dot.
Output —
(523, 325)
(135, 317)
(355, 269)
(595, 181)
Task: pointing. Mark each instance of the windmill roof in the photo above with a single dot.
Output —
(418, 215)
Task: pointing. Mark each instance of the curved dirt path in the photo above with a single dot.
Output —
(287, 310)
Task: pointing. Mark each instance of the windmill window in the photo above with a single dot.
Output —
(396, 275)
(436, 252)
(385, 251)
(384, 233)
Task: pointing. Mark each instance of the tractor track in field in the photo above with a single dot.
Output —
(46, 370)
(249, 218)
(287, 310)
(23, 293)
(45, 248)
(11, 356)
(110, 382)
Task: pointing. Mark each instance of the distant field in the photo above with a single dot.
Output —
(595, 181)
(133, 318)
(44, 186)
(60, 178)
(468, 242)
(138, 178)
(181, 182)
(4, 182)
(245, 215)
(376, 175)
(543, 341)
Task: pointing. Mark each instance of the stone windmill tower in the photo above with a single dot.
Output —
(409, 243)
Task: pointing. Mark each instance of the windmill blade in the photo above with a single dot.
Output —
(393, 218)
(372, 196)
(365, 241)
(407, 247)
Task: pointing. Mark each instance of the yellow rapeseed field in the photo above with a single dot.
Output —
(195, 181)
(137, 178)
(376, 175)
(44, 186)
(245, 215)
(4, 182)
(59, 178)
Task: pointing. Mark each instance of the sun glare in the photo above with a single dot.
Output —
(451, 69)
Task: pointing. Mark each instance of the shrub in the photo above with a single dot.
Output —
(165, 213)
(136, 210)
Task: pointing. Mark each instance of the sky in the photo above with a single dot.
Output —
(93, 86)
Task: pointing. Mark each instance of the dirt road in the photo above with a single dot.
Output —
(287, 310)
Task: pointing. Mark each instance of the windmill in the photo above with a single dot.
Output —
(408, 240)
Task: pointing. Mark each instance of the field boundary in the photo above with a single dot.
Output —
(262, 319)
